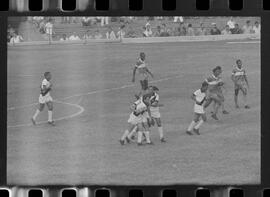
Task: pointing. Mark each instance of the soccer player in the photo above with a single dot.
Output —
(136, 119)
(199, 96)
(239, 78)
(45, 98)
(215, 92)
(154, 109)
(143, 72)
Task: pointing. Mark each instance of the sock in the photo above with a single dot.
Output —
(49, 116)
(147, 135)
(36, 114)
(192, 124)
(160, 130)
(132, 133)
(245, 99)
(125, 135)
(139, 137)
(199, 124)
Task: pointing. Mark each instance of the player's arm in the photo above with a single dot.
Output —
(193, 97)
(147, 70)
(134, 73)
(246, 80)
(45, 90)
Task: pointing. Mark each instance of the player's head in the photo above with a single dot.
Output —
(152, 89)
(239, 63)
(217, 71)
(142, 55)
(48, 76)
(204, 86)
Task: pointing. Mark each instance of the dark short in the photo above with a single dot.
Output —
(144, 84)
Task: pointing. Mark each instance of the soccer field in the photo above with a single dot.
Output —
(92, 90)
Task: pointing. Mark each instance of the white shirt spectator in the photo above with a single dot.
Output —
(111, 35)
(176, 18)
(257, 29)
(121, 34)
(49, 28)
(16, 39)
(231, 23)
(74, 37)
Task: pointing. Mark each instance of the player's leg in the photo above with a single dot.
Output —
(131, 135)
(222, 99)
(217, 100)
(126, 133)
(146, 131)
(140, 133)
(208, 102)
(38, 110)
(244, 91)
(193, 123)
(50, 112)
(160, 129)
(199, 124)
(236, 92)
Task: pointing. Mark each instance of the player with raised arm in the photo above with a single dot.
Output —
(239, 78)
(137, 119)
(199, 97)
(143, 73)
(215, 92)
(45, 98)
(154, 109)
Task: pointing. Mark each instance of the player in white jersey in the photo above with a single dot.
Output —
(137, 118)
(199, 96)
(154, 109)
(143, 72)
(239, 78)
(45, 98)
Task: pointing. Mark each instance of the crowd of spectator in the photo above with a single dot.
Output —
(112, 28)
(13, 36)
(184, 29)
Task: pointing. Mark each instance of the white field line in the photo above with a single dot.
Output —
(95, 92)
(245, 42)
(81, 110)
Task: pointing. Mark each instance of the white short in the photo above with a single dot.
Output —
(134, 119)
(44, 99)
(145, 116)
(198, 109)
(155, 113)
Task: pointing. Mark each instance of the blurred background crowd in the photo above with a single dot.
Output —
(80, 28)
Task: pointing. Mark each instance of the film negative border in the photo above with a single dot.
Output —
(132, 5)
(251, 7)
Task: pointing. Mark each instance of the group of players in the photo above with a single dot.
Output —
(145, 110)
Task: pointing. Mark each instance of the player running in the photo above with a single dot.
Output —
(239, 78)
(45, 98)
(154, 109)
(137, 119)
(143, 72)
(199, 96)
(215, 93)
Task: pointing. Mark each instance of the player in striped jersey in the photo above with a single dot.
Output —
(239, 78)
(137, 119)
(215, 93)
(45, 98)
(143, 72)
(199, 96)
